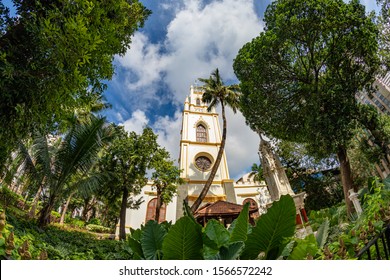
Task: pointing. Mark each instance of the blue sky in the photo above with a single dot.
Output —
(181, 41)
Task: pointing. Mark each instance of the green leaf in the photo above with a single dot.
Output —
(322, 233)
(183, 241)
(2, 242)
(136, 234)
(215, 234)
(135, 247)
(187, 211)
(151, 240)
(239, 227)
(304, 248)
(210, 253)
(232, 252)
(271, 230)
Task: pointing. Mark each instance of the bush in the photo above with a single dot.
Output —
(98, 228)
(95, 221)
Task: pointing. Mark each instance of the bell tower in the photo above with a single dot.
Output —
(199, 145)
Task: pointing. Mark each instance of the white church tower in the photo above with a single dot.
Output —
(199, 145)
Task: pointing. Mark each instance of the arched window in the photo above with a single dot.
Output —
(197, 102)
(252, 202)
(151, 211)
(201, 133)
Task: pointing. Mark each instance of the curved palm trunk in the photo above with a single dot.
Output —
(122, 222)
(207, 186)
(346, 177)
(34, 205)
(62, 219)
(44, 218)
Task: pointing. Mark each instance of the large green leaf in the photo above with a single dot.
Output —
(271, 229)
(232, 252)
(239, 227)
(304, 248)
(322, 233)
(136, 247)
(215, 234)
(183, 241)
(151, 240)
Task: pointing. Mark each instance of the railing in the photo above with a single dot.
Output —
(380, 246)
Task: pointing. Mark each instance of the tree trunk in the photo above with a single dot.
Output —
(158, 205)
(62, 220)
(122, 222)
(44, 218)
(346, 177)
(31, 213)
(207, 186)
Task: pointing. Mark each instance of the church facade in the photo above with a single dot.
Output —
(199, 145)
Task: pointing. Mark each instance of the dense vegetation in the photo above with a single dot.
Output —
(274, 236)
(298, 80)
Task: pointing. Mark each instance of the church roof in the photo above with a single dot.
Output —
(221, 208)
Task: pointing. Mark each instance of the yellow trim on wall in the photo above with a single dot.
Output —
(199, 143)
(201, 113)
(213, 198)
(247, 194)
(150, 193)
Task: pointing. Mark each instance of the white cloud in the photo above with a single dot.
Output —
(199, 39)
(168, 130)
(136, 123)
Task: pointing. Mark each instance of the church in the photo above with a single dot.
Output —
(199, 145)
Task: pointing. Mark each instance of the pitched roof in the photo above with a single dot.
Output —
(221, 208)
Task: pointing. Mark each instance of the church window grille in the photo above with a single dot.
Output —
(203, 163)
(197, 102)
(201, 134)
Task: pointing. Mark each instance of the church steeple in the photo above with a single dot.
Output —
(200, 141)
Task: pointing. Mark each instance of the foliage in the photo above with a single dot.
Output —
(186, 239)
(299, 77)
(127, 159)
(98, 228)
(216, 92)
(58, 243)
(54, 57)
(319, 178)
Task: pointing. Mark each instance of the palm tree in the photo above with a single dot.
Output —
(75, 157)
(215, 92)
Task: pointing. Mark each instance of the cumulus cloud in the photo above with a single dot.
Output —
(136, 123)
(200, 37)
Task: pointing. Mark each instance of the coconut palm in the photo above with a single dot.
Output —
(215, 92)
(59, 168)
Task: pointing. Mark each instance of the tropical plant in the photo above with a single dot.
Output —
(215, 92)
(73, 158)
(186, 239)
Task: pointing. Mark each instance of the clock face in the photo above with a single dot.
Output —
(203, 163)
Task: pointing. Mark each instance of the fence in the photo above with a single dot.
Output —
(379, 247)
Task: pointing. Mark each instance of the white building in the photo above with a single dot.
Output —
(199, 145)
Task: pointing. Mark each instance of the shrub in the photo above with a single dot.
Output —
(98, 228)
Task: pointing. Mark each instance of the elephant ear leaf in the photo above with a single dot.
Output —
(136, 247)
(322, 233)
(183, 241)
(151, 240)
(215, 234)
(232, 252)
(269, 234)
(239, 227)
